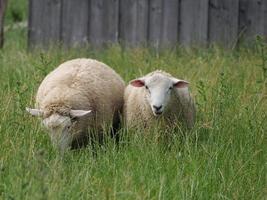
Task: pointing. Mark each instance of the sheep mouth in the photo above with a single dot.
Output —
(157, 113)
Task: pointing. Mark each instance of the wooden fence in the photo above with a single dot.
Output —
(159, 23)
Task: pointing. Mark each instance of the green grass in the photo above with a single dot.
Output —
(223, 157)
(16, 11)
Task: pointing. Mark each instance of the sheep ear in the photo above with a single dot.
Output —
(180, 83)
(79, 113)
(137, 83)
(35, 112)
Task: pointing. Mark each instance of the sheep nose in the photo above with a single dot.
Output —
(157, 108)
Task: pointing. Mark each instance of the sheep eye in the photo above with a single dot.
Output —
(170, 88)
(147, 89)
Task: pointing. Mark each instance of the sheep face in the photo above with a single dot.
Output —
(158, 89)
(60, 127)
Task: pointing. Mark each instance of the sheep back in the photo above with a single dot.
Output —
(82, 84)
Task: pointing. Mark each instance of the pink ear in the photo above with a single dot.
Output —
(137, 83)
(181, 84)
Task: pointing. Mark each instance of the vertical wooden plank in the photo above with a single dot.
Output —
(74, 25)
(95, 22)
(104, 20)
(252, 18)
(133, 21)
(155, 23)
(163, 23)
(142, 21)
(193, 22)
(170, 21)
(223, 22)
(51, 20)
(35, 16)
(3, 4)
(111, 22)
(44, 22)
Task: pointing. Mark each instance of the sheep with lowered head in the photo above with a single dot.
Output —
(156, 96)
(79, 97)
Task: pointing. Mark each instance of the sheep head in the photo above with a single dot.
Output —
(158, 88)
(60, 127)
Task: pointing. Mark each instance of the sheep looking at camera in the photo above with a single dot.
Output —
(79, 95)
(158, 95)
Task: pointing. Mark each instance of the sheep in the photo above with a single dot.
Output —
(156, 96)
(79, 97)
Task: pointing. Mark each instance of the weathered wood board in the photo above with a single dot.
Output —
(44, 22)
(193, 22)
(223, 22)
(157, 23)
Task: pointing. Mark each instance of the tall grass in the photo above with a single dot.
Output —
(223, 157)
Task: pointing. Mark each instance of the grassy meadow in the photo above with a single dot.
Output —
(223, 157)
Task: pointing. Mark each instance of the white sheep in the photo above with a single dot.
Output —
(79, 97)
(156, 96)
